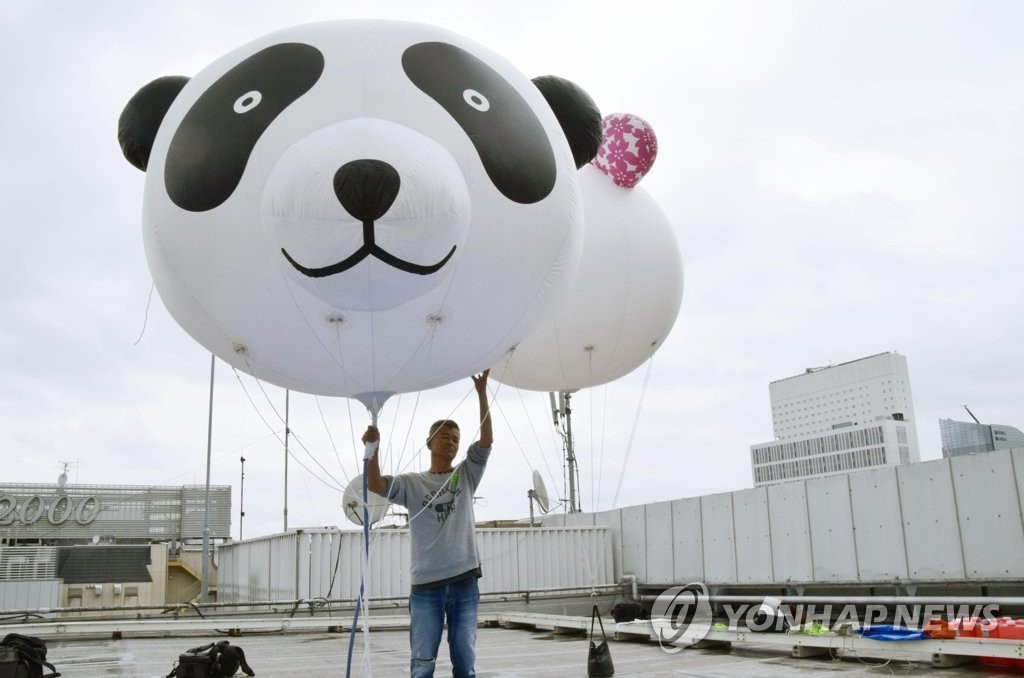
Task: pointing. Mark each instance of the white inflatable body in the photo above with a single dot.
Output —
(266, 250)
(623, 301)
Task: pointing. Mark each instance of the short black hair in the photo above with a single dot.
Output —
(436, 426)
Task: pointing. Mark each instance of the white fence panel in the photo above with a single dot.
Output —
(930, 524)
(389, 566)
(791, 538)
(659, 547)
(329, 563)
(753, 536)
(687, 542)
(719, 542)
(283, 567)
(505, 560)
(990, 513)
(1017, 459)
(633, 541)
(613, 521)
(830, 515)
(950, 519)
(30, 594)
(349, 568)
(878, 525)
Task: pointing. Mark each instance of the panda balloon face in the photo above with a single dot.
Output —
(361, 208)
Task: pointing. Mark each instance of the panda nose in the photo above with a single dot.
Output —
(366, 188)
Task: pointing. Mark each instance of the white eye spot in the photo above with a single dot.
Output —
(476, 100)
(248, 101)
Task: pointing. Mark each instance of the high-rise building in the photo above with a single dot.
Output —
(962, 437)
(839, 418)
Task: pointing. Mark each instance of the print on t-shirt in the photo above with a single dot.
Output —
(443, 501)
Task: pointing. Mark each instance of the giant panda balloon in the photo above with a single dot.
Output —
(361, 208)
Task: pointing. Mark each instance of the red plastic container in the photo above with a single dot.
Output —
(1004, 628)
(968, 628)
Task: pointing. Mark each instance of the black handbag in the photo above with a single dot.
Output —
(599, 659)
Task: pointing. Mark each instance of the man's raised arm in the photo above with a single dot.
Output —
(486, 432)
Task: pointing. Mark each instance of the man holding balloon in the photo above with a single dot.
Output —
(445, 560)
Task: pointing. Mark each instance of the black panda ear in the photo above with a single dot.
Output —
(142, 115)
(576, 113)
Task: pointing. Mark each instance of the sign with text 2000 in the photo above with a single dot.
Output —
(55, 509)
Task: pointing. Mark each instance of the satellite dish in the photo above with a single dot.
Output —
(352, 502)
(539, 492)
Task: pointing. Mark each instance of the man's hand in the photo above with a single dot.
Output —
(374, 481)
(371, 439)
(486, 434)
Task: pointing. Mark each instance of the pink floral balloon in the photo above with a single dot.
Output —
(628, 149)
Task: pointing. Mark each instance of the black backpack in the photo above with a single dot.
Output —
(30, 656)
(216, 660)
(627, 612)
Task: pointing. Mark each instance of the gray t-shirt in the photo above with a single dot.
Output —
(441, 522)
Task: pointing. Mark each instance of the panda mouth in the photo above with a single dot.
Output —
(369, 249)
(366, 189)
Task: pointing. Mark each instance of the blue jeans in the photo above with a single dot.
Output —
(458, 602)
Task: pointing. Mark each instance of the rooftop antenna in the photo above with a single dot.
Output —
(62, 479)
(538, 494)
(972, 414)
(561, 412)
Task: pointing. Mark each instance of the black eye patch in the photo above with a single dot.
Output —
(508, 137)
(212, 145)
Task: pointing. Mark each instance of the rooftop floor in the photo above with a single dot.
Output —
(503, 652)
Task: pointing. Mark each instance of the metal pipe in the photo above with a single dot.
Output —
(204, 583)
(314, 603)
(287, 432)
(570, 454)
(633, 584)
(241, 501)
(298, 554)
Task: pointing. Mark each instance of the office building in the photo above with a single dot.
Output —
(839, 418)
(960, 438)
(109, 545)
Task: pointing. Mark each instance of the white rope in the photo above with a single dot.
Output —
(632, 433)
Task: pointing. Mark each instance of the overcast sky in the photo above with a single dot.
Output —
(844, 179)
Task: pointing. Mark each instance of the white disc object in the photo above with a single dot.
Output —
(352, 502)
(540, 492)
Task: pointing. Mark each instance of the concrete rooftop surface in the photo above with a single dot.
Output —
(502, 652)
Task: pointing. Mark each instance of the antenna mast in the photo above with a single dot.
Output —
(564, 412)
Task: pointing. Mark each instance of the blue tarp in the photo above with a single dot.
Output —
(892, 633)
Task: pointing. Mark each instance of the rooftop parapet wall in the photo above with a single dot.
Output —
(948, 520)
